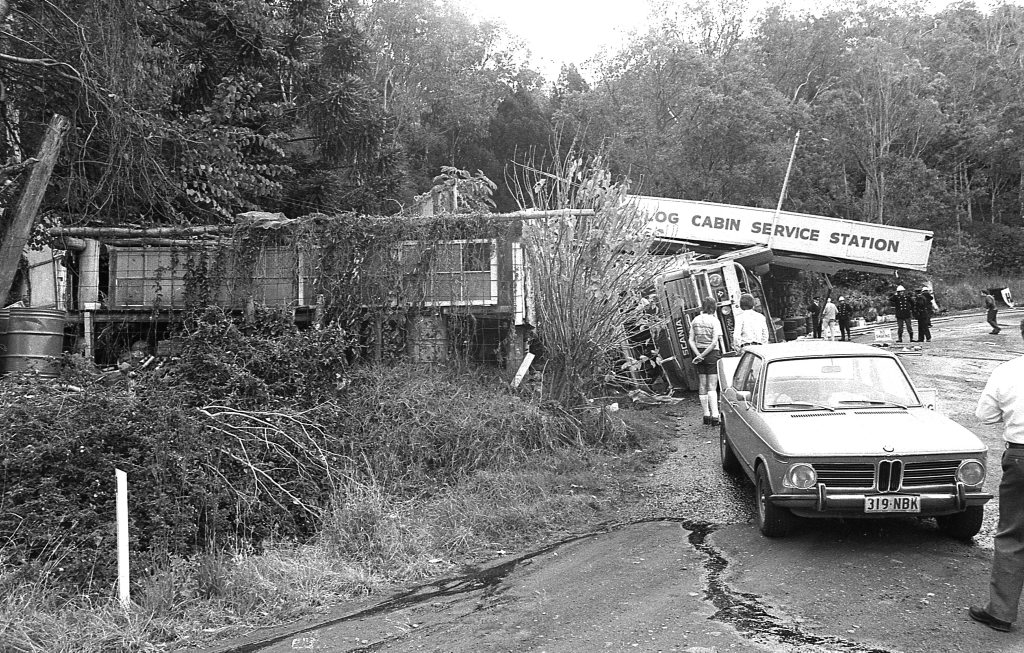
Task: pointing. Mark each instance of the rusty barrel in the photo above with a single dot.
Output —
(34, 340)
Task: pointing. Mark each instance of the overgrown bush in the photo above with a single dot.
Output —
(256, 434)
(591, 265)
(256, 361)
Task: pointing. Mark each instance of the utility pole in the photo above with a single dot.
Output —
(23, 215)
(785, 187)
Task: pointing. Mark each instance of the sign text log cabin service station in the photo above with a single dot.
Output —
(813, 235)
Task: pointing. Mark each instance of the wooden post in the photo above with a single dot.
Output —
(378, 339)
(24, 214)
(89, 275)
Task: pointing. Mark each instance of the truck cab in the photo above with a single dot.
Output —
(679, 294)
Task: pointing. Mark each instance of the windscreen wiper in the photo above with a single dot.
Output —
(873, 402)
(803, 404)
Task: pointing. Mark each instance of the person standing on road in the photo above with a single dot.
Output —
(705, 336)
(844, 313)
(751, 327)
(814, 308)
(828, 320)
(925, 309)
(903, 306)
(991, 312)
(1002, 400)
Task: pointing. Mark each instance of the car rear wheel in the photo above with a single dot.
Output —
(730, 463)
(963, 525)
(772, 520)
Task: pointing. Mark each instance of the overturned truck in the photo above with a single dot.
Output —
(737, 249)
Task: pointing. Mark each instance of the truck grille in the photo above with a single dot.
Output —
(890, 475)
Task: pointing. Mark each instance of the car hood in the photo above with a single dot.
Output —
(869, 432)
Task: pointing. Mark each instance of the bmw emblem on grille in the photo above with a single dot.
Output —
(888, 448)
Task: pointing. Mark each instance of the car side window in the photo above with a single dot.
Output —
(740, 376)
(753, 383)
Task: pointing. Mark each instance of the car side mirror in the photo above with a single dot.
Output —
(928, 397)
(743, 395)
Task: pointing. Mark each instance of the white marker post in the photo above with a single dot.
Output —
(523, 369)
(122, 537)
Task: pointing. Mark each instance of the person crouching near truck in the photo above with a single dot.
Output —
(705, 336)
(751, 327)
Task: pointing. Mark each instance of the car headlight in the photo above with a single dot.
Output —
(800, 476)
(970, 472)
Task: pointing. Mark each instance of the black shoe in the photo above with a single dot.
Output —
(995, 332)
(707, 419)
(715, 421)
(983, 617)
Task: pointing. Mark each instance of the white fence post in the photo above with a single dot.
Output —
(122, 537)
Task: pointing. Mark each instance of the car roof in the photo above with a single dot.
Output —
(816, 349)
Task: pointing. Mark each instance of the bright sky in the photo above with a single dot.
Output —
(564, 31)
(572, 31)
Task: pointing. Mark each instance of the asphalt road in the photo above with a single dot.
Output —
(688, 571)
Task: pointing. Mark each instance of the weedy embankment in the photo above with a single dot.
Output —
(268, 478)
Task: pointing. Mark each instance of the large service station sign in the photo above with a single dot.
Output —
(815, 235)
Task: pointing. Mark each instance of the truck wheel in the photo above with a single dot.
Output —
(772, 520)
(730, 463)
(963, 525)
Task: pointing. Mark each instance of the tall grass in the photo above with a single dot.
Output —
(437, 468)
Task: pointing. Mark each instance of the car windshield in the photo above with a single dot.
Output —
(840, 382)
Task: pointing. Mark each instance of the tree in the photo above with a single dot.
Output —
(441, 76)
(194, 111)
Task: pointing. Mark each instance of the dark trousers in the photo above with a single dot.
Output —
(900, 323)
(1008, 554)
(924, 329)
(816, 325)
(844, 329)
(992, 320)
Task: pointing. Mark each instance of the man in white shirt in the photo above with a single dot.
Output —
(1002, 400)
(751, 327)
(828, 320)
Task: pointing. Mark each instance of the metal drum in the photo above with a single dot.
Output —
(34, 340)
(5, 316)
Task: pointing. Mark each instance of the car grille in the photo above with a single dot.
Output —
(941, 472)
(846, 474)
(892, 475)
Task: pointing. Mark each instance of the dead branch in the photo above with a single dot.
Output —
(16, 168)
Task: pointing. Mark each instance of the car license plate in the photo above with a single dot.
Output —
(893, 503)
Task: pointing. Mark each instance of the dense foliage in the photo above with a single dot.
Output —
(253, 434)
(191, 112)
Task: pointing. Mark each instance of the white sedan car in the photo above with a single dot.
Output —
(837, 429)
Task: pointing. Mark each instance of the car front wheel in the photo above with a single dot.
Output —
(963, 525)
(772, 520)
(730, 463)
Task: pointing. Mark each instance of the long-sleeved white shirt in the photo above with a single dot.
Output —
(751, 327)
(830, 312)
(1002, 400)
